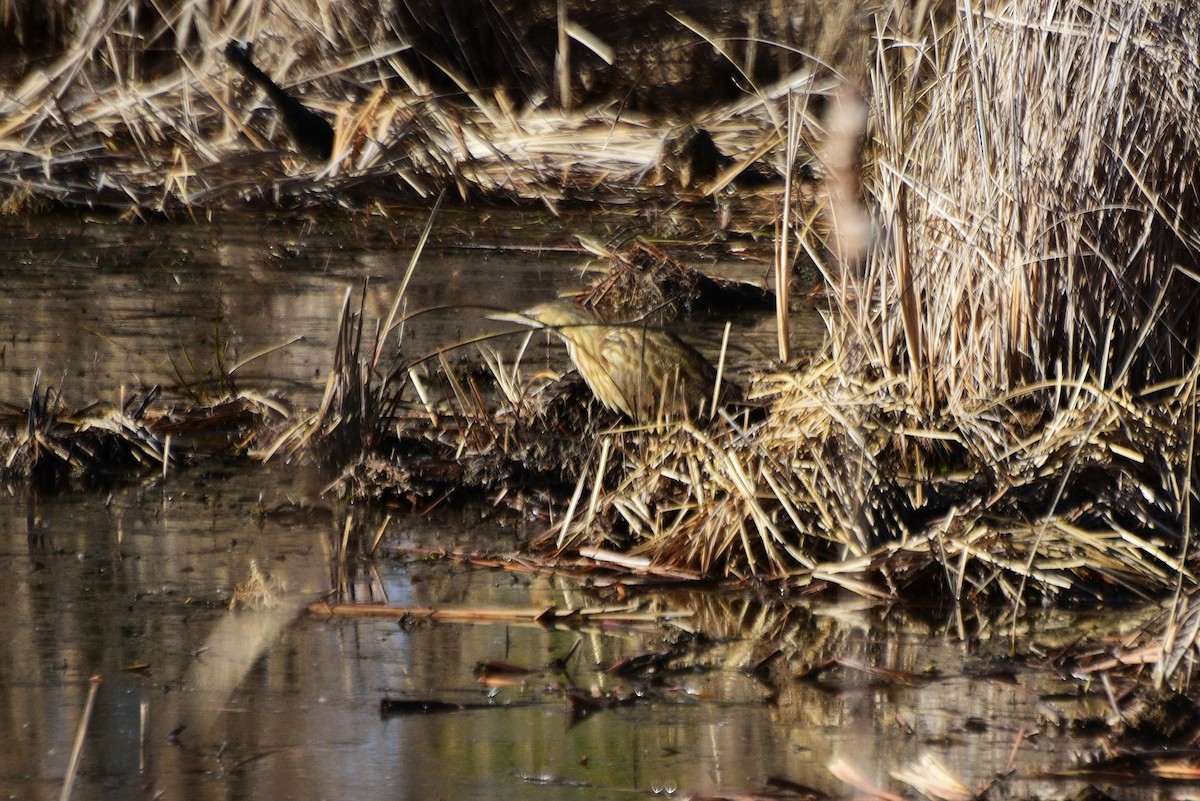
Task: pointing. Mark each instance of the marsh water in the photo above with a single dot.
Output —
(132, 582)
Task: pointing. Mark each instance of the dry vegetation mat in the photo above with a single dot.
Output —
(52, 448)
(146, 109)
(1006, 403)
(1005, 406)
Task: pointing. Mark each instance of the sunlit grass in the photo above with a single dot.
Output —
(1007, 398)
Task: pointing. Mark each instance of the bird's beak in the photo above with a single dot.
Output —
(515, 317)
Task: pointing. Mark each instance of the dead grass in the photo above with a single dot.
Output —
(642, 277)
(50, 447)
(1006, 404)
(1007, 401)
(137, 110)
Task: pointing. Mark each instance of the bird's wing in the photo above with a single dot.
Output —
(655, 369)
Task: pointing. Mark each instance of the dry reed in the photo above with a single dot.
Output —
(133, 107)
(1007, 400)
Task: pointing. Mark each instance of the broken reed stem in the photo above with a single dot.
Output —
(80, 734)
(379, 535)
(597, 488)
(564, 528)
(716, 394)
(344, 545)
(562, 58)
(166, 458)
(143, 732)
(783, 263)
(402, 292)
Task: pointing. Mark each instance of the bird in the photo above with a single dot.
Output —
(310, 132)
(645, 373)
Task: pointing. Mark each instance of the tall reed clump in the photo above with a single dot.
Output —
(1042, 190)
(1031, 288)
(1007, 399)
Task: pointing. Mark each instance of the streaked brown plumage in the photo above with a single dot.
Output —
(645, 373)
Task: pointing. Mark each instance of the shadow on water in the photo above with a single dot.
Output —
(703, 694)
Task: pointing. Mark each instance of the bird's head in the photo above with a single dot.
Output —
(555, 314)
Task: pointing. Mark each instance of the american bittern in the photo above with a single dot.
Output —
(645, 373)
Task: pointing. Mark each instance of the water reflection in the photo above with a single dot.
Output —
(206, 704)
(102, 305)
(155, 304)
(133, 586)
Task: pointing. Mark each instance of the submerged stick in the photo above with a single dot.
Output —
(77, 749)
(514, 615)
